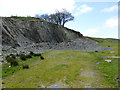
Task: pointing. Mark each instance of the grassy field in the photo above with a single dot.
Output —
(72, 69)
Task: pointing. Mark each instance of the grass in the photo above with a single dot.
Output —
(109, 70)
(26, 18)
(10, 71)
(65, 66)
(31, 19)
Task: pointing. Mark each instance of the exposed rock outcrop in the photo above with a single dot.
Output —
(39, 36)
(16, 32)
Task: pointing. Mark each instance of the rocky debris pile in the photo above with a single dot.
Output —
(81, 44)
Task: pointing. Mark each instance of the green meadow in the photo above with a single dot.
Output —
(73, 69)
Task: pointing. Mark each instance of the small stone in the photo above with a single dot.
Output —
(42, 86)
(97, 62)
(112, 52)
(108, 61)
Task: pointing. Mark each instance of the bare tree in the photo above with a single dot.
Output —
(66, 17)
(43, 17)
(37, 16)
(59, 17)
(63, 17)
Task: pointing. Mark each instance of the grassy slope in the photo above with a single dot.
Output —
(74, 68)
(31, 19)
(26, 18)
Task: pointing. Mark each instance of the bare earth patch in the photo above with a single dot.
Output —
(90, 78)
(58, 85)
(84, 54)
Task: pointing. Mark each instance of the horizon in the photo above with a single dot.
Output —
(92, 19)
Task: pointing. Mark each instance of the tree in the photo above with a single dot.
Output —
(62, 17)
(67, 17)
(37, 16)
(59, 17)
(43, 17)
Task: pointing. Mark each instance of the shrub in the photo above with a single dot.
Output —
(3, 83)
(108, 45)
(25, 66)
(96, 51)
(14, 63)
(31, 53)
(37, 54)
(13, 56)
(28, 56)
(9, 59)
(41, 57)
(23, 57)
(12, 60)
(17, 55)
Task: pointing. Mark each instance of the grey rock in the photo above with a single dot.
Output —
(38, 36)
(109, 61)
(41, 86)
(98, 63)
(16, 32)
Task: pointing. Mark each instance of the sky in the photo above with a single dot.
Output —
(93, 18)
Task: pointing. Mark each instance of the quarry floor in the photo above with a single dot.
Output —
(66, 69)
(63, 69)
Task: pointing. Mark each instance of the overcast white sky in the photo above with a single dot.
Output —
(95, 19)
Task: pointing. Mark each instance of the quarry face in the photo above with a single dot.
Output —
(40, 36)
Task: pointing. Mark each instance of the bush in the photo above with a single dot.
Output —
(108, 45)
(28, 56)
(14, 63)
(37, 54)
(41, 57)
(23, 57)
(9, 59)
(13, 56)
(17, 55)
(12, 60)
(96, 51)
(3, 83)
(31, 53)
(25, 66)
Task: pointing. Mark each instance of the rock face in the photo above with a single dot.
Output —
(20, 35)
(16, 32)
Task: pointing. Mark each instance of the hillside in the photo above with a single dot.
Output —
(31, 34)
(25, 31)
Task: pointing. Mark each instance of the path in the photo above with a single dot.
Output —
(91, 78)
